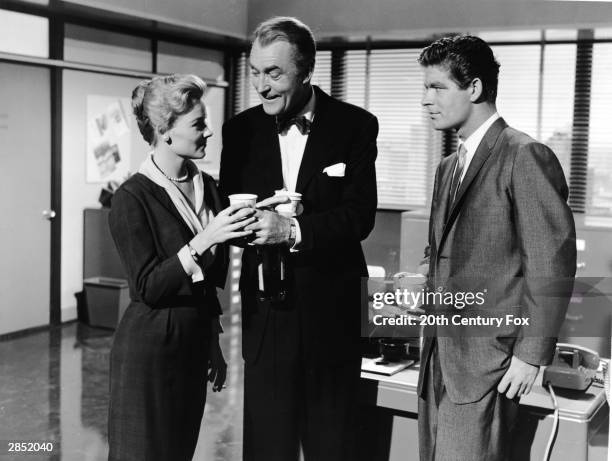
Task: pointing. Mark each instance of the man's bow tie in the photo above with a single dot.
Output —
(302, 123)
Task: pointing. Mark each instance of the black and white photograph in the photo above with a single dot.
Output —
(278, 230)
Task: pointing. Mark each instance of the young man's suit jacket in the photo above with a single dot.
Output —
(511, 235)
(338, 213)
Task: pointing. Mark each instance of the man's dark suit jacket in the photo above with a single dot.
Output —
(510, 232)
(338, 213)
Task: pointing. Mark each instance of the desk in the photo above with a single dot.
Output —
(581, 415)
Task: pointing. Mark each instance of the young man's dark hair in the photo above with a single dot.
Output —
(466, 57)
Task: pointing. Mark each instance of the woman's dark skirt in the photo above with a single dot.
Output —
(158, 383)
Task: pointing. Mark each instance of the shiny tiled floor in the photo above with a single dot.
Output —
(54, 387)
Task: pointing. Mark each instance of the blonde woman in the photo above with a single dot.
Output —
(170, 231)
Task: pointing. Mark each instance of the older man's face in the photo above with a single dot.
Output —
(277, 79)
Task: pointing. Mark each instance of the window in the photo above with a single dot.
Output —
(24, 34)
(536, 93)
(322, 73)
(356, 80)
(553, 85)
(518, 87)
(599, 179)
(558, 81)
(407, 145)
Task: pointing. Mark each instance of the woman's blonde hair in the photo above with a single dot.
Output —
(159, 101)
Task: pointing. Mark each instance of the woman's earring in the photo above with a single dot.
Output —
(168, 140)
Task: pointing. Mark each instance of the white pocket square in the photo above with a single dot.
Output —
(336, 170)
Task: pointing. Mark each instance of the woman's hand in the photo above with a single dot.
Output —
(217, 368)
(225, 226)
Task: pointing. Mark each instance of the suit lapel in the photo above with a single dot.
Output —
(480, 157)
(268, 160)
(439, 217)
(314, 152)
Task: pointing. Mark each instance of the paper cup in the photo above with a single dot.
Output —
(247, 199)
(289, 209)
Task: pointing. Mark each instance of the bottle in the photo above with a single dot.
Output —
(272, 259)
(271, 273)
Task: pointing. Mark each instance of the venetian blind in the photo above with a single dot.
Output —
(518, 87)
(558, 81)
(557, 93)
(536, 93)
(406, 142)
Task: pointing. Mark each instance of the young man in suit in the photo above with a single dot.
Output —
(499, 226)
(302, 357)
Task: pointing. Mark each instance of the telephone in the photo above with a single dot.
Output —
(573, 367)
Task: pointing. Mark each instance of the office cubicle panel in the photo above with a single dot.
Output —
(100, 257)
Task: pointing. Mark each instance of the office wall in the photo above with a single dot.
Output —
(77, 193)
(401, 18)
(96, 46)
(227, 17)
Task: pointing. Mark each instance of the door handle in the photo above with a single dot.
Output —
(48, 214)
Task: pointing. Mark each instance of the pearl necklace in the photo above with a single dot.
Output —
(183, 178)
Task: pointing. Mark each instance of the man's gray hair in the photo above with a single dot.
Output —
(293, 31)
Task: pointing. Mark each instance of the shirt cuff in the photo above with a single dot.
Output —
(189, 265)
(298, 236)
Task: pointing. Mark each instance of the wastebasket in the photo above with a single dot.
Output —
(106, 299)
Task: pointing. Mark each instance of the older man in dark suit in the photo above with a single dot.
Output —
(499, 226)
(302, 360)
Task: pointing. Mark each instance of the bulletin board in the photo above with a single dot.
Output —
(108, 139)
